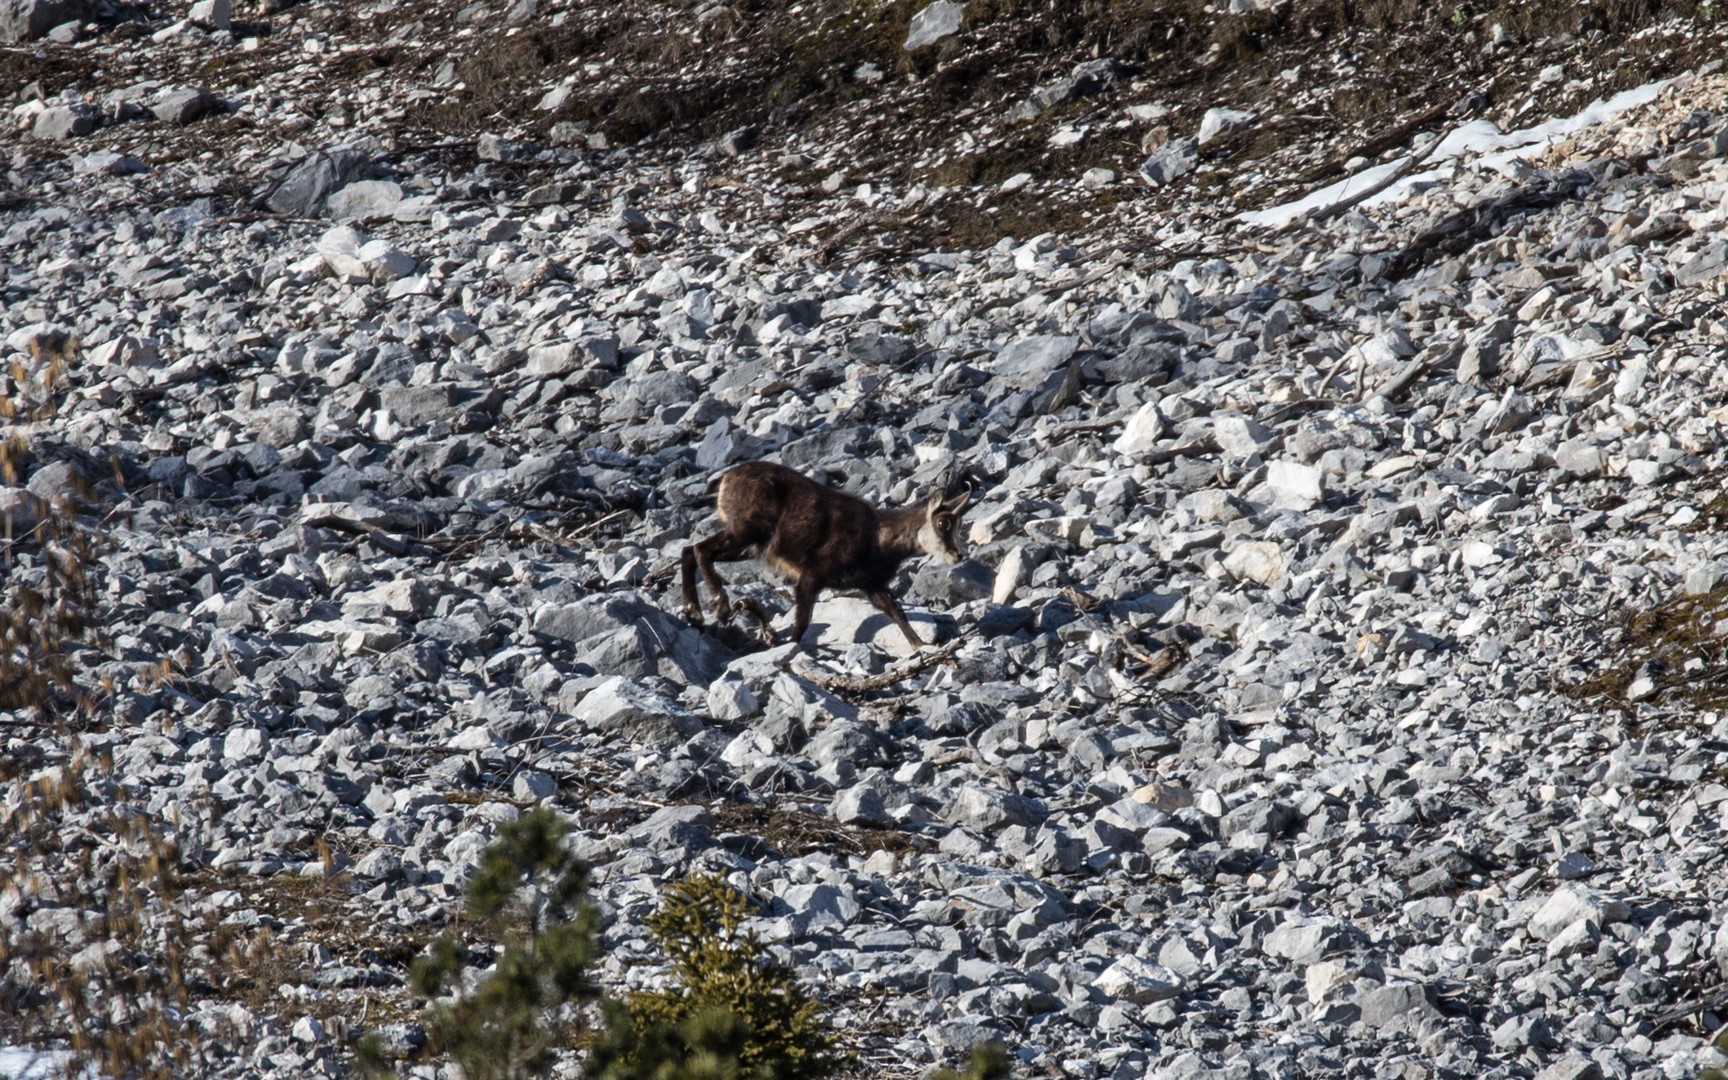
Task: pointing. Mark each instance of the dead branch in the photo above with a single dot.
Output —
(923, 661)
(1156, 666)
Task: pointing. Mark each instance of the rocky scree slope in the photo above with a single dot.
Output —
(1340, 688)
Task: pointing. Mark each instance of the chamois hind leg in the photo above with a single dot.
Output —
(889, 606)
(687, 566)
(804, 601)
(722, 548)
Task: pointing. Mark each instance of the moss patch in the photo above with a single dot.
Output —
(1662, 642)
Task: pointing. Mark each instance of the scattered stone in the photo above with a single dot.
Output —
(212, 14)
(304, 190)
(186, 105)
(26, 20)
(932, 23)
(63, 122)
(1171, 161)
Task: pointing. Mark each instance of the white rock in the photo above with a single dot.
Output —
(1478, 553)
(1580, 936)
(1218, 121)
(385, 263)
(1259, 561)
(243, 744)
(308, 1029)
(1142, 431)
(479, 737)
(1010, 575)
(365, 200)
(340, 249)
(1240, 436)
(1323, 978)
(731, 699)
(933, 23)
(1139, 981)
(1294, 484)
(1569, 904)
(212, 14)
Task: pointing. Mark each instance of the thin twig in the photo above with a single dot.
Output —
(921, 662)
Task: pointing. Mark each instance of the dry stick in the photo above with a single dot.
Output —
(1163, 455)
(1395, 387)
(1337, 368)
(1376, 146)
(923, 661)
(1157, 666)
(1397, 174)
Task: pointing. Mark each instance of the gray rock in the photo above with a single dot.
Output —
(244, 744)
(492, 147)
(26, 20)
(1139, 981)
(1707, 264)
(860, 805)
(620, 707)
(61, 483)
(416, 406)
(532, 785)
(1304, 943)
(63, 121)
(1571, 903)
(186, 105)
(676, 826)
(932, 23)
(380, 864)
(1219, 121)
(365, 200)
(1519, 1032)
(1572, 1067)
(306, 188)
(212, 14)
(818, 909)
(845, 741)
(1171, 161)
(1025, 363)
(987, 809)
(739, 140)
(1399, 1005)
(109, 163)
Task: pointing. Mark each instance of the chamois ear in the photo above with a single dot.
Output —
(934, 503)
(959, 502)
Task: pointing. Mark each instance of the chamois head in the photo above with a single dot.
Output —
(937, 536)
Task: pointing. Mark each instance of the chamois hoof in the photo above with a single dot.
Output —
(746, 605)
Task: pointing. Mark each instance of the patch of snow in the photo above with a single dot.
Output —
(19, 1063)
(1498, 151)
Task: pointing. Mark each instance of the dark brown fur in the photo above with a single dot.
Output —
(819, 537)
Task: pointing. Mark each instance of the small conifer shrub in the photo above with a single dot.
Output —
(732, 1014)
(989, 1061)
(530, 890)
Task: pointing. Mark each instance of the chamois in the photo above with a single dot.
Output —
(819, 537)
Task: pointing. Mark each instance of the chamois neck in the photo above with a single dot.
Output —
(897, 535)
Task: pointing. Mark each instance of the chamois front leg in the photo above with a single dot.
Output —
(722, 548)
(803, 602)
(889, 606)
(701, 557)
